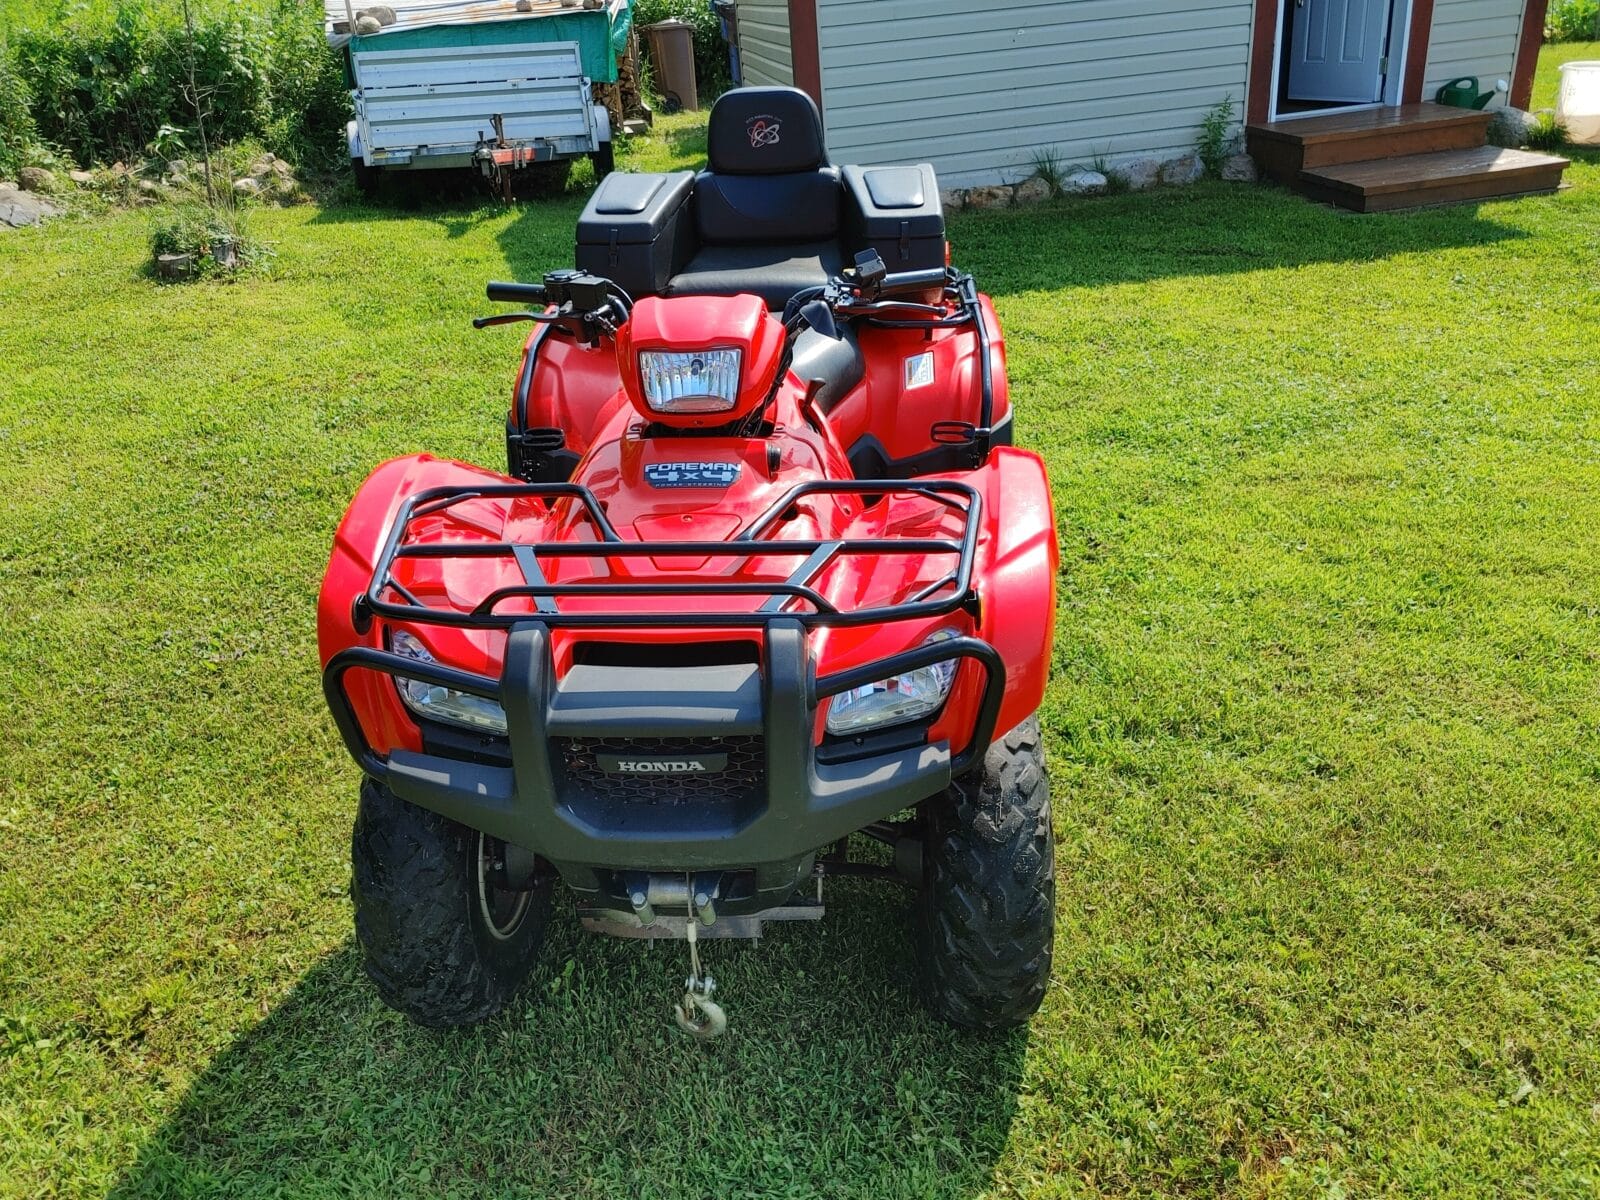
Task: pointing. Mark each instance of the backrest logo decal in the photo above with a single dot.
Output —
(764, 131)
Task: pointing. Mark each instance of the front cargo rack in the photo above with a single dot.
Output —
(794, 598)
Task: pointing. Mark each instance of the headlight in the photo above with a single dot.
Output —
(895, 700)
(699, 381)
(442, 703)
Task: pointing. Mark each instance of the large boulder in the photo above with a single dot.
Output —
(1084, 183)
(989, 197)
(1182, 170)
(1510, 127)
(36, 179)
(1140, 174)
(19, 208)
(1240, 168)
(1031, 191)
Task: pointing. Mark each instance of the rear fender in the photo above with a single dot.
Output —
(356, 546)
(886, 420)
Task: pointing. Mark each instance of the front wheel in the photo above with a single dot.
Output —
(986, 905)
(445, 940)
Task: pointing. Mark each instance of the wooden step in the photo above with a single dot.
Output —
(1444, 177)
(1282, 149)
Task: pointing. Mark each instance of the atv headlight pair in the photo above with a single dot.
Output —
(696, 381)
(441, 703)
(895, 700)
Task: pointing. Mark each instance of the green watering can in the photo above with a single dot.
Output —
(1463, 93)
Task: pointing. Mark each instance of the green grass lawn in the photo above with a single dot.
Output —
(1547, 79)
(1324, 728)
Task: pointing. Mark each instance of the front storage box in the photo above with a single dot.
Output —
(636, 230)
(896, 211)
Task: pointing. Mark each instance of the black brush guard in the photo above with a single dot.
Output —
(805, 800)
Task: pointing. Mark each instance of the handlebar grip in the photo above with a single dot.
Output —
(517, 293)
(913, 281)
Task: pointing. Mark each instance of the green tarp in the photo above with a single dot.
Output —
(599, 40)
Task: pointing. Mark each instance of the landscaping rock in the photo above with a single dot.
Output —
(988, 197)
(381, 13)
(1185, 169)
(19, 208)
(81, 178)
(524, 5)
(1510, 127)
(282, 169)
(1084, 183)
(36, 179)
(1140, 174)
(1240, 168)
(368, 25)
(1031, 191)
(953, 199)
(247, 186)
(149, 187)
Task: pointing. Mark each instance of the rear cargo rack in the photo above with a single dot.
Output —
(794, 598)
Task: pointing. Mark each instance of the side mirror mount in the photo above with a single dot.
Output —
(870, 269)
(819, 317)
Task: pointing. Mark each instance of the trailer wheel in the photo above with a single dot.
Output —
(604, 160)
(366, 178)
(443, 939)
(986, 907)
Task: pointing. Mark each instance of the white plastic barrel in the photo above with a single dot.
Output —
(1578, 102)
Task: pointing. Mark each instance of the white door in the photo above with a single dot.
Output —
(1338, 50)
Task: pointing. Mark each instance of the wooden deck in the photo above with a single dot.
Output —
(1382, 159)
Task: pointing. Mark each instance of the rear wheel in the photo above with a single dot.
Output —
(366, 178)
(986, 906)
(446, 940)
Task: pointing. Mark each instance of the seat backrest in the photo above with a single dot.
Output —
(767, 177)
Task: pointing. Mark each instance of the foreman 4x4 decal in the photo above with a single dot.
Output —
(691, 474)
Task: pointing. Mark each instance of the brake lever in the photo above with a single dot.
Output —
(508, 319)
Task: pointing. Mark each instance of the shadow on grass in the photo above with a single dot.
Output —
(831, 1081)
(1210, 229)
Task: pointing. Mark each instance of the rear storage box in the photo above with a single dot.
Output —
(896, 211)
(636, 230)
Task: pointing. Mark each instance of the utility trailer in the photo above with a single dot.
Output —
(489, 85)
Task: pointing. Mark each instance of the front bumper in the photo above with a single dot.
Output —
(798, 801)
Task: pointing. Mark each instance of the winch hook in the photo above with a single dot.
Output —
(697, 1014)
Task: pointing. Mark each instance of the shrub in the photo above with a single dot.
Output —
(104, 91)
(1215, 128)
(18, 135)
(218, 237)
(1572, 21)
(1546, 133)
(710, 51)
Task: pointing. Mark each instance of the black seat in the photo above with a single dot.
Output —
(767, 210)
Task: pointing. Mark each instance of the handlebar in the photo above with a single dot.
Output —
(518, 293)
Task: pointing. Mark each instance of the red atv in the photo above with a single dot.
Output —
(763, 572)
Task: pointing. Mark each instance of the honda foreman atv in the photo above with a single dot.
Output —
(763, 573)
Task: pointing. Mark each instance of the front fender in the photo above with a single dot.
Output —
(356, 546)
(1018, 581)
